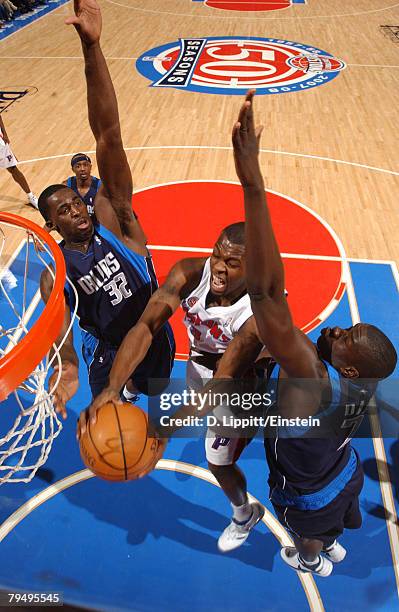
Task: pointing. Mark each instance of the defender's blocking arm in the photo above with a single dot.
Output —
(104, 119)
(265, 271)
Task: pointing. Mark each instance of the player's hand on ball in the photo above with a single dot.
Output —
(107, 395)
(66, 388)
(87, 20)
(81, 425)
(122, 444)
(246, 140)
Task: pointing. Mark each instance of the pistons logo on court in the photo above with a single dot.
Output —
(230, 65)
(9, 95)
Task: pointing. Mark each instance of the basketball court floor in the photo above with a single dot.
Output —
(326, 78)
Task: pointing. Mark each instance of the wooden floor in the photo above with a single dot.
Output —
(354, 118)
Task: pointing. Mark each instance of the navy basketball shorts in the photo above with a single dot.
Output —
(329, 522)
(150, 377)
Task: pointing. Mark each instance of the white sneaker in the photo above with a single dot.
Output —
(234, 535)
(33, 201)
(336, 553)
(290, 556)
(127, 396)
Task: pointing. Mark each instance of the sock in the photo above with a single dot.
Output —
(30, 194)
(328, 548)
(242, 514)
(311, 564)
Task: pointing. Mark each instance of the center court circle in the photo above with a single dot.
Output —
(192, 217)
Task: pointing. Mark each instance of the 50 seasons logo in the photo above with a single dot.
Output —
(231, 65)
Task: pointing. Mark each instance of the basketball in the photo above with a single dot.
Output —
(117, 446)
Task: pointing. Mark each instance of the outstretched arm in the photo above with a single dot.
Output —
(180, 281)
(265, 271)
(104, 119)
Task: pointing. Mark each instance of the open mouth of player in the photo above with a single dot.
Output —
(218, 284)
(82, 224)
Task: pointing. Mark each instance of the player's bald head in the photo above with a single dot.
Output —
(43, 203)
(235, 233)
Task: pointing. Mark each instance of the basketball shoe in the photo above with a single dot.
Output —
(321, 567)
(32, 200)
(127, 396)
(236, 533)
(336, 552)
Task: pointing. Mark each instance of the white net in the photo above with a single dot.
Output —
(28, 421)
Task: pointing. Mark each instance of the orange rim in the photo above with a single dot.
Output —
(16, 366)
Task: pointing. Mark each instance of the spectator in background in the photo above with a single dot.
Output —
(7, 9)
(3, 16)
(24, 6)
(11, 9)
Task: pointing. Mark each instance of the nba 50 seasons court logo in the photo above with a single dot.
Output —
(230, 65)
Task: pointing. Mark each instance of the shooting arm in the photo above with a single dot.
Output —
(135, 345)
(164, 302)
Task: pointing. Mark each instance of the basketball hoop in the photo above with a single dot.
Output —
(26, 338)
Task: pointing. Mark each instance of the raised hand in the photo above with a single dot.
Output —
(246, 140)
(66, 388)
(87, 20)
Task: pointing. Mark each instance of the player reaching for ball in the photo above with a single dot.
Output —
(223, 337)
(107, 259)
(315, 482)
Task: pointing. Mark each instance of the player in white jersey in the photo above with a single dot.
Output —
(223, 338)
(9, 162)
(210, 327)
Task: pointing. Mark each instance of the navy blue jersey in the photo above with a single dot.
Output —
(113, 283)
(88, 199)
(303, 462)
